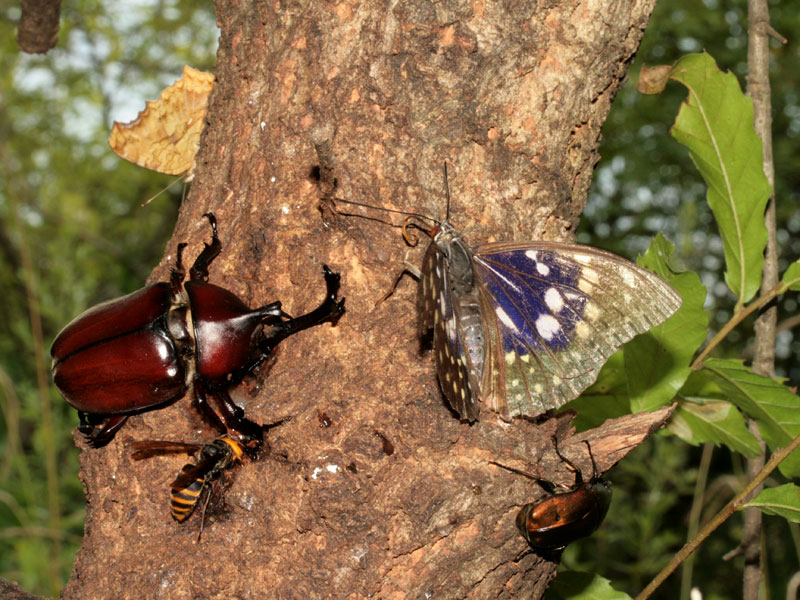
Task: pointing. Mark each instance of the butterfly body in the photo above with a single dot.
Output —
(449, 304)
(524, 327)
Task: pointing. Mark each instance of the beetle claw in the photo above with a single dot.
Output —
(332, 281)
(99, 430)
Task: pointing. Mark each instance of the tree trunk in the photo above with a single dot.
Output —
(372, 488)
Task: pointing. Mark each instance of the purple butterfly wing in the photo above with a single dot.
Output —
(553, 314)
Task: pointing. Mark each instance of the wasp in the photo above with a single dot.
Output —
(212, 459)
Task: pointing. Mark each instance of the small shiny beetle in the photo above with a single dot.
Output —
(563, 517)
(145, 350)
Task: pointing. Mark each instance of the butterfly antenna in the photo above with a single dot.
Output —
(446, 193)
(408, 224)
(376, 219)
(161, 191)
(384, 209)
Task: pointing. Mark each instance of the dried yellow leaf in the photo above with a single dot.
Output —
(165, 136)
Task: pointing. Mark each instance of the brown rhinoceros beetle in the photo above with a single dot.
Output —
(563, 517)
(146, 349)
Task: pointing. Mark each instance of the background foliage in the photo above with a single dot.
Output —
(646, 184)
(72, 233)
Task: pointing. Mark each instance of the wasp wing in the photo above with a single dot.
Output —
(150, 448)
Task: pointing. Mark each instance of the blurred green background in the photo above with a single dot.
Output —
(73, 233)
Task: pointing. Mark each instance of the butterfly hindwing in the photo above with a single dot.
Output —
(553, 314)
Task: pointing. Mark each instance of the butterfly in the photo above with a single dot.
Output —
(524, 327)
(165, 136)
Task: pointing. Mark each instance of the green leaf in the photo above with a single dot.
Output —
(577, 585)
(605, 399)
(791, 277)
(700, 420)
(716, 125)
(774, 407)
(783, 501)
(657, 362)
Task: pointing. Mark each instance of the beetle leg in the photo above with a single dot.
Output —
(96, 435)
(595, 474)
(199, 270)
(572, 467)
(228, 417)
(522, 554)
(210, 413)
(178, 272)
(547, 486)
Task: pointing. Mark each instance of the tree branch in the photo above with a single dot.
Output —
(38, 25)
(758, 88)
(374, 98)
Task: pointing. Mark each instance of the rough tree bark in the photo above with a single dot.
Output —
(373, 488)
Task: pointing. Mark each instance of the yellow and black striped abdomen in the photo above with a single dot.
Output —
(184, 499)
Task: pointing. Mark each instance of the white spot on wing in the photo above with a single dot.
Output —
(584, 259)
(629, 278)
(547, 326)
(553, 300)
(590, 274)
(543, 269)
(505, 319)
(591, 311)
